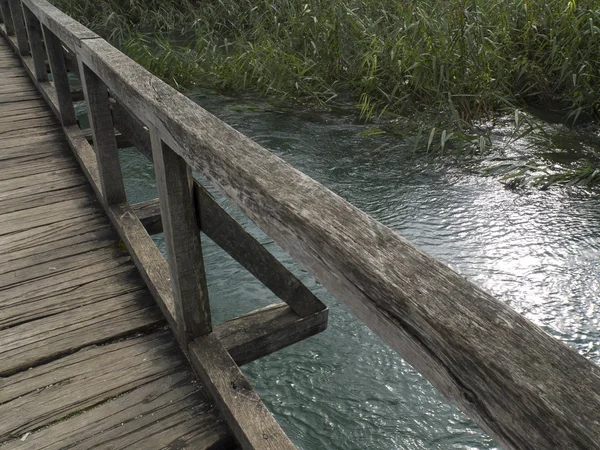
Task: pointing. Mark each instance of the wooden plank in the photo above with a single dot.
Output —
(250, 421)
(105, 145)
(59, 77)
(168, 412)
(147, 258)
(223, 229)
(48, 214)
(44, 198)
(7, 17)
(58, 292)
(56, 261)
(52, 392)
(19, 26)
(182, 239)
(38, 50)
(33, 343)
(24, 186)
(15, 242)
(440, 323)
(267, 330)
(36, 167)
(107, 282)
(67, 29)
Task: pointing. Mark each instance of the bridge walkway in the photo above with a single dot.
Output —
(86, 357)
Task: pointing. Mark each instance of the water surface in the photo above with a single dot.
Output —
(538, 251)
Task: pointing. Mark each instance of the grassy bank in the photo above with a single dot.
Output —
(456, 62)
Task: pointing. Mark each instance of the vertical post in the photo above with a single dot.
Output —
(103, 132)
(7, 17)
(182, 237)
(19, 26)
(34, 30)
(60, 77)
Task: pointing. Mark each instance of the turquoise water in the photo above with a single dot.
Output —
(538, 251)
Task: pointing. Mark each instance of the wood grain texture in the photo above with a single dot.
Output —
(467, 344)
(251, 423)
(153, 401)
(59, 77)
(182, 239)
(38, 51)
(105, 144)
(223, 229)
(267, 330)
(7, 17)
(19, 26)
(65, 285)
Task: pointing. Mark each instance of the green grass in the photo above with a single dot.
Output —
(454, 65)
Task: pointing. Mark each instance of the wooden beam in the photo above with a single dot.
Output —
(38, 51)
(519, 384)
(250, 421)
(105, 144)
(19, 26)
(182, 239)
(122, 141)
(267, 330)
(7, 16)
(59, 77)
(223, 229)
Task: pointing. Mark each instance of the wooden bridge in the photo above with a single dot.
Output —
(103, 344)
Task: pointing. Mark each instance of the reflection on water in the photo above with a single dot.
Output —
(344, 389)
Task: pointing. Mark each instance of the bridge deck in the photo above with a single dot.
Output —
(85, 357)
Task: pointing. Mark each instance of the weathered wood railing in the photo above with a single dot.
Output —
(525, 388)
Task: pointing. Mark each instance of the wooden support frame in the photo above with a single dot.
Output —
(7, 17)
(182, 237)
(523, 387)
(103, 131)
(38, 50)
(59, 77)
(223, 229)
(19, 26)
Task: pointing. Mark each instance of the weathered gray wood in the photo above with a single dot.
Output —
(53, 391)
(67, 29)
(38, 51)
(44, 198)
(45, 215)
(170, 412)
(19, 26)
(223, 229)
(59, 77)
(267, 330)
(251, 423)
(7, 17)
(50, 233)
(105, 145)
(36, 342)
(58, 261)
(107, 282)
(147, 258)
(182, 239)
(468, 345)
(122, 142)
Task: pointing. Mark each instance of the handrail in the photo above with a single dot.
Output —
(522, 386)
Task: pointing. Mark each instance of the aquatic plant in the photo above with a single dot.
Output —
(451, 64)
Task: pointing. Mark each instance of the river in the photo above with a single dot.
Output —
(536, 250)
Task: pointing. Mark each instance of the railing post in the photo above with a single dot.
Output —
(19, 26)
(7, 17)
(103, 132)
(59, 77)
(34, 30)
(182, 237)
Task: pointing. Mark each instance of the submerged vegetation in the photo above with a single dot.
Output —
(454, 64)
